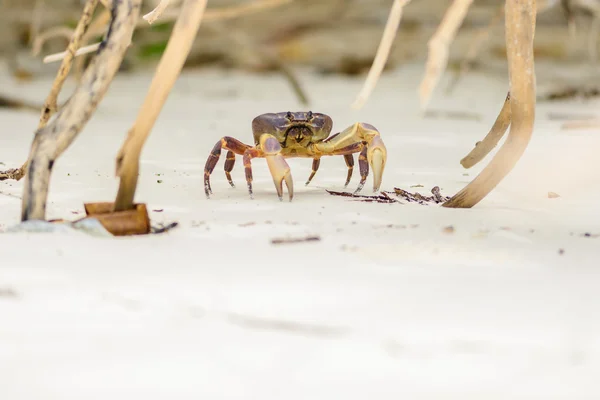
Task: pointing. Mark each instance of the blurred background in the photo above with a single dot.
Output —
(328, 36)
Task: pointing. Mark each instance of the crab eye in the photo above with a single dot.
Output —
(289, 116)
(309, 115)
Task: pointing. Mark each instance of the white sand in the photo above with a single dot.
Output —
(212, 310)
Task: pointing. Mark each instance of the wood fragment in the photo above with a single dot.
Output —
(439, 45)
(416, 197)
(383, 52)
(552, 195)
(279, 241)
(520, 24)
(383, 197)
(170, 66)
(490, 141)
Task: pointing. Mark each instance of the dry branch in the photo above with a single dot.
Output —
(50, 105)
(498, 130)
(520, 30)
(152, 16)
(439, 47)
(170, 66)
(52, 140)
(383, 52)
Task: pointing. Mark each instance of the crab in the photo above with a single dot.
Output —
(282, 135)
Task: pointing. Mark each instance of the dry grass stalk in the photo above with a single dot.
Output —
(498, 130)
(52, 140)
(383, 52)
(439, 48)
(50, 105)
(520, 30)
(153, 15)
(170, 66)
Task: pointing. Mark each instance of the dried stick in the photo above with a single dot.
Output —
(520, 31)
(170, 66)
(52, 140)
(61, 56)
(498, 130)
(474, 47)
(383, 52)
(50, 105)
(154, 14)
(439, 47)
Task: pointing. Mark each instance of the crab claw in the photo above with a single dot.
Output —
(280, 171)
(377, 156)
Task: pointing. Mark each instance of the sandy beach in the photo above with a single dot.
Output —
(394, 301)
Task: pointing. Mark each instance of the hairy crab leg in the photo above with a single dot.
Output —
(230, 144)
(280, 170)
(248, 156)
(363, 166)
(229, 163)
(349, 158)
(315, 168)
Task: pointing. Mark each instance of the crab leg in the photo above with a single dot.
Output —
(248, 156)
(228, 143)
(315, 168)
(363, 166)
(280, 170)
(229, 163)
(349, 158)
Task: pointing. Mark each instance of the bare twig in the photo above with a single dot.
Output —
(61, 56)
(169, 68)
(439, 47)
(498, 130)
(278, 241)
(52, 140)
(520, 30)
(50, 105)
(152, 16)
(383, 52)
